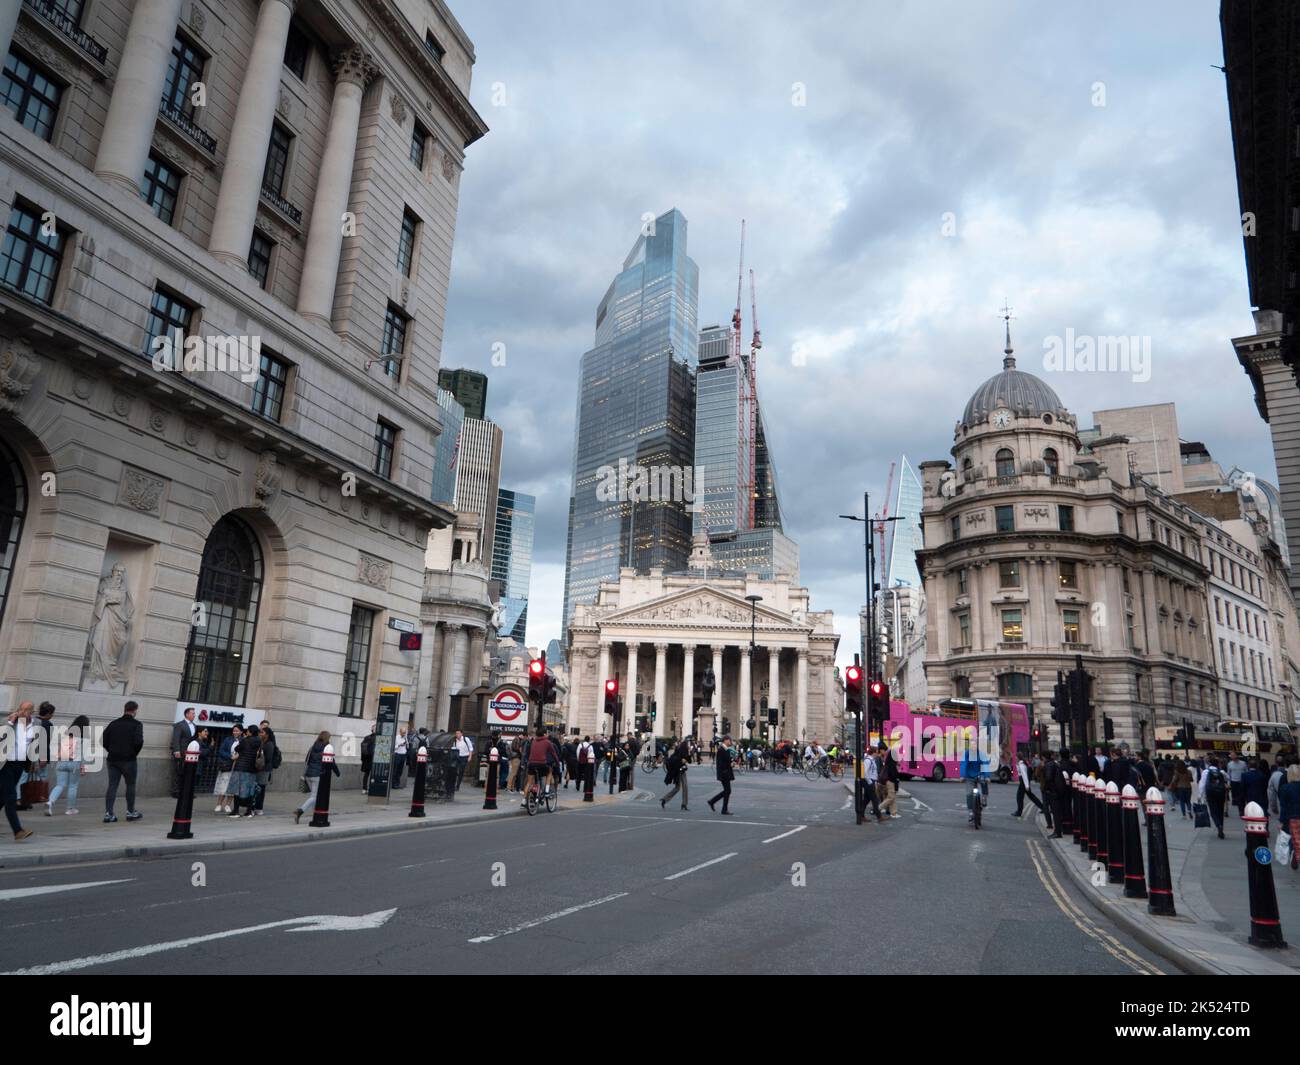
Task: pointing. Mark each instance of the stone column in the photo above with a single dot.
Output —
(717, 689)
(688, 689)
(352, 71)
(629, 701)
(801, 696)
(745, 696)
(600, 685)
(474, 670)
(241, 184)
(446, 682)
(133, 109)
(774, 680)
(661, 688)
(424, 676)
(8, 20)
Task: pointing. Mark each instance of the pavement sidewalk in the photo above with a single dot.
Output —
(63, 840)
(1211, 933)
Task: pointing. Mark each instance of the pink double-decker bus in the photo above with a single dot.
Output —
(929, 742)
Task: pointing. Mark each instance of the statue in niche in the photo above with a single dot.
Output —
(498, 614)
(110, 629)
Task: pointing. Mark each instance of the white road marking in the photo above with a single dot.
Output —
(784, 834)
(28, 892)
(421, 865)
(693, 821)
(314, 923)
(549, 917)
(918, 805)
(633, 828)
(703, 865)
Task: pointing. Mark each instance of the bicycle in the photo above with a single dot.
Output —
(825, 768)
(540, 797)
(651, 762)
(976, 799)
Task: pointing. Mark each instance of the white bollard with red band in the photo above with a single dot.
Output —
(1265, 922)
(184, 815)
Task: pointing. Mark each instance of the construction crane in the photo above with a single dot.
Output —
(754, 345)
(736, 359)
(881, 515)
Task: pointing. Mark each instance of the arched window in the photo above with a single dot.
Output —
(1006, 462)
(13, 505)
(1017, 686)
(220, 650)
(1051, 462)
(966, 467)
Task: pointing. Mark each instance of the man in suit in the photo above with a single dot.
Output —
(725, 775)
(182, 732)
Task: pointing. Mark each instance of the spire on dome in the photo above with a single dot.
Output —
(1009, 362)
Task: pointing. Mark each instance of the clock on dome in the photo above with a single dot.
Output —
(1001, 418)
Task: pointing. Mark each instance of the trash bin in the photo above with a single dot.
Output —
(440, 782)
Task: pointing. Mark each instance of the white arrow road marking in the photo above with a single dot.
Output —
(918, 805)
(315, 923)
(28, 892)
(784, 834)
(702, 865)
(549, 917)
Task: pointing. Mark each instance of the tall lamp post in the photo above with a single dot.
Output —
(753, 600)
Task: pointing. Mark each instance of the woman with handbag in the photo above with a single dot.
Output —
(311, 775)
(1180, 783)
(225, 771)
(71, 765)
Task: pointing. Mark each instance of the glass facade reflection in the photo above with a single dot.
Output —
(903, 537)
(636, 403)
(512, 559)
(452, 416)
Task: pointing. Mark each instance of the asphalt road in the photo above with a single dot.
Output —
(788, 885)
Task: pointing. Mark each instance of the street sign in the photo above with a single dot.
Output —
(401, 625)
(508, 712)
(1263, 855)
(381, 767)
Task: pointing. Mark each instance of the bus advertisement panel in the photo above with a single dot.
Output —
(929, 742)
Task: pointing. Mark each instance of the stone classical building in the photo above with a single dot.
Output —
(659, 633)
(1038, 551)
(231, 530)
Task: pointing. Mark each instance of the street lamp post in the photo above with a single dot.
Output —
(753, 600)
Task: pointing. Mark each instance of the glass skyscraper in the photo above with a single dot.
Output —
(512, 559)
(636, 404)
(452, 416)
(903, 537)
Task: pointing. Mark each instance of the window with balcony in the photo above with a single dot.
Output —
(32, 254)
(1012, 627)
(385, 445)
(1005, 462)
(1009, 574)
(270, 388)
(1050, 462)
(1065, 518)
(169, 317)
(183, 71)
(161, 187)
(1070, 626)
(357, 663)
(406, 242)
(1005, 518)
(259, 257)
(1069, 574)
(31, 94)
(277, 160)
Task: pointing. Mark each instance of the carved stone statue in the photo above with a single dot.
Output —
(498, 613)
(110, 629)
(266, 481)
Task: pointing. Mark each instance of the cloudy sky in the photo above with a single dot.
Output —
(1080, 152)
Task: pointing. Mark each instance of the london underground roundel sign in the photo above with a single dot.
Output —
(508, 711)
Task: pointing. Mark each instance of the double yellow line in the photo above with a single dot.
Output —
(1081, 921)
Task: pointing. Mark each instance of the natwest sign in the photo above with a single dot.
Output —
(508, 710)
(219, 716)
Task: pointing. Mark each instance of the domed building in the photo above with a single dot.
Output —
(1039, 550)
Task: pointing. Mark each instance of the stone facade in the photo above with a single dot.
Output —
(125, 470)
(651, 631)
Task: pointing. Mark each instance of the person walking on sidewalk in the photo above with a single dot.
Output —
(516, 757)
(1288, 797)
(1024, 791)
(71, 765)
(20, 724)
(182, 732)
(270, 763)
(464, 749)
(1180, 783)
(675, 772)
(1275, 781)
(399, 757)
(889, 784)
(1214, 792)
(122, 741)
(225, 771)
(1254, 784)
(243, 781)
(725, 774)
(1236, 770)
(315, 766)
(870, 780)
(367, 759)
(1056, 789)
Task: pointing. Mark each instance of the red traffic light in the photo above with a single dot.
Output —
(611, 686)
(876, 687)
(536, 667)
(410, 641)
(853, 674)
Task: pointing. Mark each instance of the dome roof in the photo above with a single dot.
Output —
(1023, 394)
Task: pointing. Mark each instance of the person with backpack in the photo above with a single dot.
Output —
(247, 755)
(543, 760)
(312, 774)
(270, 763)
(586, 759)
(1214, 792)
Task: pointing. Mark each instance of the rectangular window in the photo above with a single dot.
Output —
(435, 49)
(185, 68)
(394, 341)
(956, 528)
(277, 160)
(963, 628)
(1069, 575)
(1012, 628)
(268, 392)
(71, 8)
(358, 662)
(30, 259)
(1217, 616)
(1128, 633)
(1065, 518)
(1009, 574)
(385, 443)
(419, 140)
(406, 242)
(1238, 610)
(259, 257)
(31, 94)
(1070, 626)
(168, 317)
(296, 50)
(1006, 518)
(962, 581)
(161, 188)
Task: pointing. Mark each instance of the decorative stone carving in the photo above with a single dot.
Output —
(404, 296)
(157, 420)
(284, 106)
(300, 483)
(402, 528)
(373, 571)
(110, 631)
(384, 519)
(222, 448)
(323, 492)
(266, 481)
(498, 614)
(397, 108)
(1037, 512)
(42, 51)
(448, 165)
(192, 434)
(355, 65)
(121, 404)
(141, 491)
(18, 368)
(977, 517)
(198, 18)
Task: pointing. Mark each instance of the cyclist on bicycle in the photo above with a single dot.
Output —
(814, 753)
(543, 759)
(974, 767)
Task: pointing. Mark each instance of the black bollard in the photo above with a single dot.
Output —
(613, 771)
(589, 781)
(1090, 800)
(494, 773)
(1161, 902)
(1135, 881)
(320, 817)
(1114, 835)
(1080, 824)
(184, 815)
(1265, 926)
(417, 787)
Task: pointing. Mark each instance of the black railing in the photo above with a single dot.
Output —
(186, 125)
(291, 212)
(69, 28)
